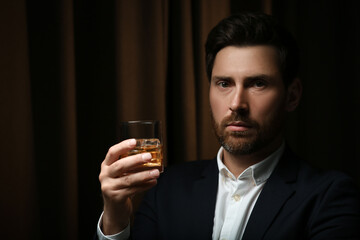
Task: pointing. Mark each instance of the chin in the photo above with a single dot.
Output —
(239, 146)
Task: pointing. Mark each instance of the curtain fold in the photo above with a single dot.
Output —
(181, 83)
(68, 122)
(19, 209)
(140, 60)
(53, 102)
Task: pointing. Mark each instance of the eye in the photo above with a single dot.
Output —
(223, 84)
(259, 84)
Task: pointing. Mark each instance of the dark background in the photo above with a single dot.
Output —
(63, 88)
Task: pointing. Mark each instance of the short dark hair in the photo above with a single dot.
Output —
(252, 29)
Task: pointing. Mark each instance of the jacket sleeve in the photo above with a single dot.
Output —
(338, 212)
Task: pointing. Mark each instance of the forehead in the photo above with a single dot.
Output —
(248, 60)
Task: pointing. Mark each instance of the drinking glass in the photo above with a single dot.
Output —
(148, 135)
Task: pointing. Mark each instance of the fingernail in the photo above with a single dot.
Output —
(154, 172)
(132, 142)
(146, 156)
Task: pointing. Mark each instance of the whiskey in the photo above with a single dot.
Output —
(152, 146)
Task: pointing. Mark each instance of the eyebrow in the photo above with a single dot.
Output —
(224, 78)
(248, 78)
(259, 77)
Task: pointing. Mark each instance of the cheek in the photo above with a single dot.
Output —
(267, 107)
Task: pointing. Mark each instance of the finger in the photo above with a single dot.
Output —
(122, 194)
(130, 192)
(127, 164)
(115, 151)
(140, 180)
(128, 180)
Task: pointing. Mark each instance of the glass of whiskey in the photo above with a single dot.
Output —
(148, 135)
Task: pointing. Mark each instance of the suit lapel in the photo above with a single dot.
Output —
(205, 191)
(277, 190)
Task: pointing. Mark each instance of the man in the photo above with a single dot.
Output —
(255, 188)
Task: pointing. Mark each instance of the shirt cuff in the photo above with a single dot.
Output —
(123, 235)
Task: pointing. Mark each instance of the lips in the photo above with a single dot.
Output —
(238, 126)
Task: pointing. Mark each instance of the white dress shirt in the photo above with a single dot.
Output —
(236, 197)
(123, 235)
(235, 200)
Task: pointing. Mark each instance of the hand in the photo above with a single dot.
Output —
(119, 181)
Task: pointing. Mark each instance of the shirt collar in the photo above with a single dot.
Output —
(258, 172)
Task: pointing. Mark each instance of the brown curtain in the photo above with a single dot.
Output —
(19, 209)
(72, 69)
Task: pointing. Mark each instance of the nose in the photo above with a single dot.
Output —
(239, 100)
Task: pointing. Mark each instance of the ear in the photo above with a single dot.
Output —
(293, 95)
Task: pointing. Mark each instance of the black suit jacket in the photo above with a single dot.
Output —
(297, 202)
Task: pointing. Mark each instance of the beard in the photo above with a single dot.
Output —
(256, 138)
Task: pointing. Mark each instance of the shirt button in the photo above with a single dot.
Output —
(236, 197)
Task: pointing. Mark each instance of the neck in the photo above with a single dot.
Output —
(237, 163)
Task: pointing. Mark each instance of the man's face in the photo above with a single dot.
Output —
(247, 98)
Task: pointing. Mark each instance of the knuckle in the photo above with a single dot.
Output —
(105, 188)
(103, 172)
(144, 177)
(111, 151)
(118, 166)
(127, 181)
(101, 176)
